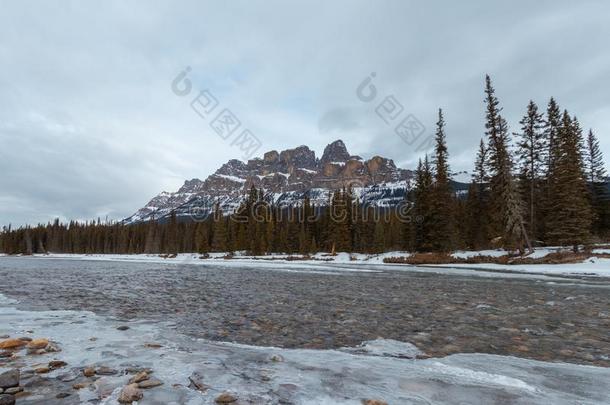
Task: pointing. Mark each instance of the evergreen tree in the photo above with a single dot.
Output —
(340, 221)
(219, 236)
(594, 160)
(531, 149)
(552, 123)
(507, 221)
(423, 203)
(569, 220)
(442, 209)
(598, 184)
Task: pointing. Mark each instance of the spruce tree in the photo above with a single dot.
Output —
(506, 205)
(423, 203)
(594, 160)
(552, 123)
(598, 184)
(219, 235)
(531, 150)
(477, 204)
(569, 219)
(441, 226)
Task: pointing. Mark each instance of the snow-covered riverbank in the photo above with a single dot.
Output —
(591, 267)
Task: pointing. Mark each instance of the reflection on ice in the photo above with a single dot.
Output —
(382, 369)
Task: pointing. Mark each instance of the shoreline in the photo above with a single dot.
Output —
(592, 267)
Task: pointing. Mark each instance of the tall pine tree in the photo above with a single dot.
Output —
(441, 229)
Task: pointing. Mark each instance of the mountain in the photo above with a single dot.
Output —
(286, 178)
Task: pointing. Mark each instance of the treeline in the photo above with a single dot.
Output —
(543, 185)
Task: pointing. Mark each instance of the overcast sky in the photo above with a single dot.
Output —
(89, 125)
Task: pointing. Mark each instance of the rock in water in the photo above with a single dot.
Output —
(81, 385)
(38, 344)
(141, 376)
(225, 398)
(12, 343)
(9, 379)
(130, 393)
(150, 383)
(196, 382)
(54, 364)
(105, 371)
(6, 399)
(89, 372)
(373, 402)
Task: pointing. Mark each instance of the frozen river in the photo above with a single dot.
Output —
(293, 334)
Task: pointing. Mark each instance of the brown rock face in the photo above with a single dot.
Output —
(284, 176)
(271, 157)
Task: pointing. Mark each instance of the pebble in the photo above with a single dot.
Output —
(373, 402)
(55, 364)
(123, 327)
(89, 372)
(130, 393)
(42, 370)
(81, 385)
(62, 395)
(141, 376)
(136, 370)
(225, 398)
(13, 390)
(12, 343)
(38, 344)
(10, 379)
(105, 371)
(150, 383)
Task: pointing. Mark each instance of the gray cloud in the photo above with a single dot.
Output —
(89, 126)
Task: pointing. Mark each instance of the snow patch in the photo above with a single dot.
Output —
(386, 348)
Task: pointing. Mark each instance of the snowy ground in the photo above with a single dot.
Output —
(380, 369)
(594, 267)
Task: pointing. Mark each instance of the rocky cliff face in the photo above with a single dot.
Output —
(286, 177)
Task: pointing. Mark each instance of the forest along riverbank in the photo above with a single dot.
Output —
(440, 314)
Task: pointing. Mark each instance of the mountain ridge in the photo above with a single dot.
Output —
(286, 177)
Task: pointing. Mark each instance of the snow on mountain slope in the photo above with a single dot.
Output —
(286, 178)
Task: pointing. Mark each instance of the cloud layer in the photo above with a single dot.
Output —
(89, 126)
